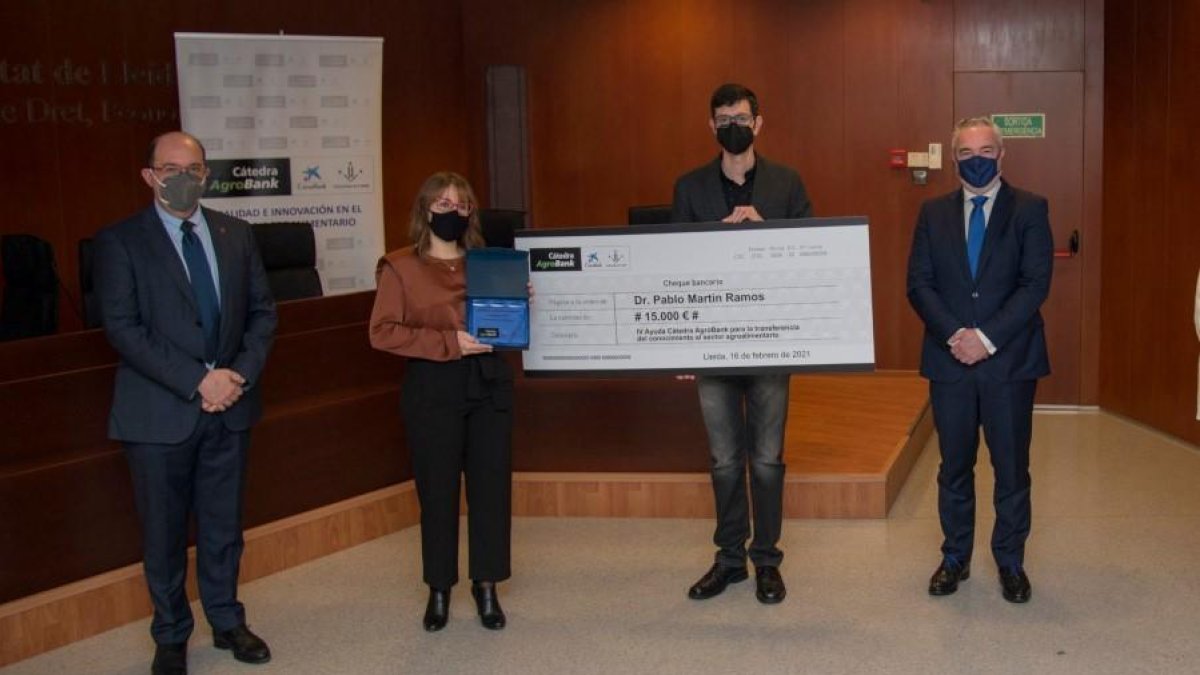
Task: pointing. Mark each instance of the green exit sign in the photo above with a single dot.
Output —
(1021, 125)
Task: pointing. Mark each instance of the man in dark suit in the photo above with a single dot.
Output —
(744, 414)
(978, 273)
(185, 303)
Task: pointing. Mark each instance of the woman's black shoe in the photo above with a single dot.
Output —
(437, 612)
(490, 614)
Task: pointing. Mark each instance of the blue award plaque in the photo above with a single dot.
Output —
(498, 297)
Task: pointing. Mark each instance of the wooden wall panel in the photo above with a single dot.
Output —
(923, 47)
(331, 430)
(619, 107)
(709, 58)
(1125, 98)
(65, 521)
(872, 106)
(1144, 248)
(31, 190)
(37, 427)
(613, 86)
(618, 97)
(1093, 205)
(635, 425)
(309, 458)
(63, 181)
(899, 94)
(614, 120)
(72, 612)
(1180, 259)
(814, 127)
(1151, 255)
(649, 36)
(579, 124)
(1019, 35)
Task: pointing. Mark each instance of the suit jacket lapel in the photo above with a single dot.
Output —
(958, 234)
(762, 183)
(164, 249)
(997, 222)
(714, 192)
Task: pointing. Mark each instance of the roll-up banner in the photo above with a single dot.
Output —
(293, 126)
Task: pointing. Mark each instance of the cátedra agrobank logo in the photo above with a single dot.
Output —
(555, 260)
(265, 177)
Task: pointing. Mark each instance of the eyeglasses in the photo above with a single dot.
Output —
(742, 120)
(172, 170)
(444, 205)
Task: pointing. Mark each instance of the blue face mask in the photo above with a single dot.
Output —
(978, 171)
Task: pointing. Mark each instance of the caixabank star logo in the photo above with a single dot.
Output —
(606, 257)
(310, 178)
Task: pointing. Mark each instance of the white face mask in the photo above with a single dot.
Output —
(181, 192)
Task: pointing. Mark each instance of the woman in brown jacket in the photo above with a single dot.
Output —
(456, 398)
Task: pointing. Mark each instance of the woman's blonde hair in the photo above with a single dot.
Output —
(431, 190)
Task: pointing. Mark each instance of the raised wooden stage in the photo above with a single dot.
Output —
(851, 442)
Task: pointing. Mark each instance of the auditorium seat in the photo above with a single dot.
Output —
(499, 225)
(289, 254)
(30, 301)
(650, 215)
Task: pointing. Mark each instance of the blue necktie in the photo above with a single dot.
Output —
(203, 289)
(975, 231)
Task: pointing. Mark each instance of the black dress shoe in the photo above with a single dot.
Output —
(488, 604)
(770, 589)
(1015, 585)
(437, 610)
(170, 659)
(945, 579)
(247, 647)
(715, 580)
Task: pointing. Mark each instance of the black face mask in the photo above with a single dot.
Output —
(448, 226)
(735, 138)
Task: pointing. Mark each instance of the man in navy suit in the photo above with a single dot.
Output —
(185, 303)
(978, 273)
(744, 414)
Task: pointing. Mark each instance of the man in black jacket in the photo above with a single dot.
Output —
(744, 414)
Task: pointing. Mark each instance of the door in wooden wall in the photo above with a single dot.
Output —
(1053, 167)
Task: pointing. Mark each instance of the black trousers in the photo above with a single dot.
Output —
(458, 421)
(1005, 411)
(203, 476)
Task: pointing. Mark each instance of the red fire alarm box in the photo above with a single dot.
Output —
(898, 158)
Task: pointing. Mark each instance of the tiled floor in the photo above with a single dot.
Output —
(1113, 559)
